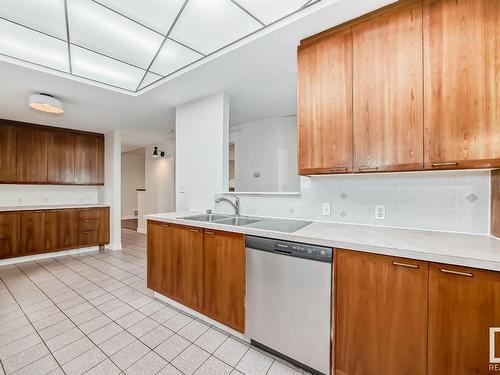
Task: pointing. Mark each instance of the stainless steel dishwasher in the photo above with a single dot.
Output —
(288, 302)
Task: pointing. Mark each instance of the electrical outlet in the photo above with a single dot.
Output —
(380, 212)
(45, 198)
(326, 209)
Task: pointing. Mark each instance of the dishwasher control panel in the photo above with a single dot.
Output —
(294, 249)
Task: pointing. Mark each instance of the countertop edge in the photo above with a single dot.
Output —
(51, 207)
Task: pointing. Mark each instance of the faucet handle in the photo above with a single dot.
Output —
(209, 212)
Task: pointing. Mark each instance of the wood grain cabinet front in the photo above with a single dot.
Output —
(89, 159)
(224, 285)
(380, 315)
(8, 150)
(61, 157)
(32, 155)
(9, 234)
(31, 232)
(60, 230)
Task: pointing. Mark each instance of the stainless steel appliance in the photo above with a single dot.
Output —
(288, 303)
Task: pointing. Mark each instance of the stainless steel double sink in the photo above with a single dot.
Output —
(280, 225)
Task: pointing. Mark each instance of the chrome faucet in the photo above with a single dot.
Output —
(235, 204)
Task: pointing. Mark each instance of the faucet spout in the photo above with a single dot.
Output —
(235, 204)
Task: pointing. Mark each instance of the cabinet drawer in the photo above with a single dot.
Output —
(87, 237)
(87, 213)
(85, 224)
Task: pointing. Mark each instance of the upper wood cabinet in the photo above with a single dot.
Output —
(61, 157)
(224, 286)
(387, 91)
(35, 154)
(31, 155)
(381, 315)
(462, 83)
(463, 304)
(8, 150)
(88, 156)
(325, 105)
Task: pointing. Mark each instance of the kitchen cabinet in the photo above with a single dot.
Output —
(186, 266)
(159, 258)
(89, 159)
(381, 315)
(325, 105)
(224, 285)
(87, 226)
(61, 157)
(387, 90)
(8, 150)
(31, 232)
(60, 229)
(31, 155)
(9, 234)
(104, 226)
(462, 83)
(463, 304)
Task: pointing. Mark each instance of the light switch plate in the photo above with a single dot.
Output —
(326, 209)
(380, 212)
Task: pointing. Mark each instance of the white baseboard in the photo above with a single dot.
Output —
(30, 258)
(142, 230)
(129, 217)
(114, 246)
(200, 316)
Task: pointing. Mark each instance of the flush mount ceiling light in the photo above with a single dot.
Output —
(128, 45)
(157, 153)
(46, 103)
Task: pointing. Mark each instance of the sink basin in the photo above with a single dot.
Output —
(207, 218)
(238, 221)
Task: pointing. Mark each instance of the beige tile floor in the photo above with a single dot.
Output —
(93, 314)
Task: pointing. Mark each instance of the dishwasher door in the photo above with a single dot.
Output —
(288, 307)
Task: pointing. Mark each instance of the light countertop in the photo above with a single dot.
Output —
(51, 207)
(470, 250)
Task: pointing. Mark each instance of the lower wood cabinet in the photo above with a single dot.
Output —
(31, 233)
(463, 304)
(224, 287)
(204, 270)
(381, 315)
(35, 232)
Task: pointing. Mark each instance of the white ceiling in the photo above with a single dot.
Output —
(258, 73)
(129, 44)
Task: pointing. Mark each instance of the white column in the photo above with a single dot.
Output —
(111, 193)
(202, 152)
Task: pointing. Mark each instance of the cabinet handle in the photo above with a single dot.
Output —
(467, 274)
(87, 232)
(39, 212)
(451, 164)
(194, 230)
(367, 168)
(86, 220)
(398, 264)
(211, 233)
(338, 169)
(165, 225)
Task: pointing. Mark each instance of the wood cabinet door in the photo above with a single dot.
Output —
(60, 229)
(104, 226)
(61, 157)
(224, 287)
(381, 315)
(387, 91)
(325, 105)
(186, 266)
(9, 234)
(31, 155)
(159, 259)
(8, 150)
(462, 83)
(463, 304)
(31, 232)
(87, 159)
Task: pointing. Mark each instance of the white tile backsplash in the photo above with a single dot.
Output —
(28, 195)
(420, 200)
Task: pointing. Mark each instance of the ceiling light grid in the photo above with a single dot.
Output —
(126, 44)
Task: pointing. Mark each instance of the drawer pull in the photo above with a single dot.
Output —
(165, 225)
(398, 264)
(367, 168)
(86, 220)
(211, 233)
(451, 164)
(194, 230)
(338, 169)
(87, 232)
(467, 274)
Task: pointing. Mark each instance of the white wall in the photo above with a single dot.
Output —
(132, 178)
(266, 147)
(28, 195)
(159, 183)
(202, 148)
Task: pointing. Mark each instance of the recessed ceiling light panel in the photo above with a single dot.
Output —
(172, 57)
(43, 15)
(24, 44)
(208, 25)
(102, 69)
(270, 11)
(46, 103)
(99, 29)
(156, 14)
(149, 79)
